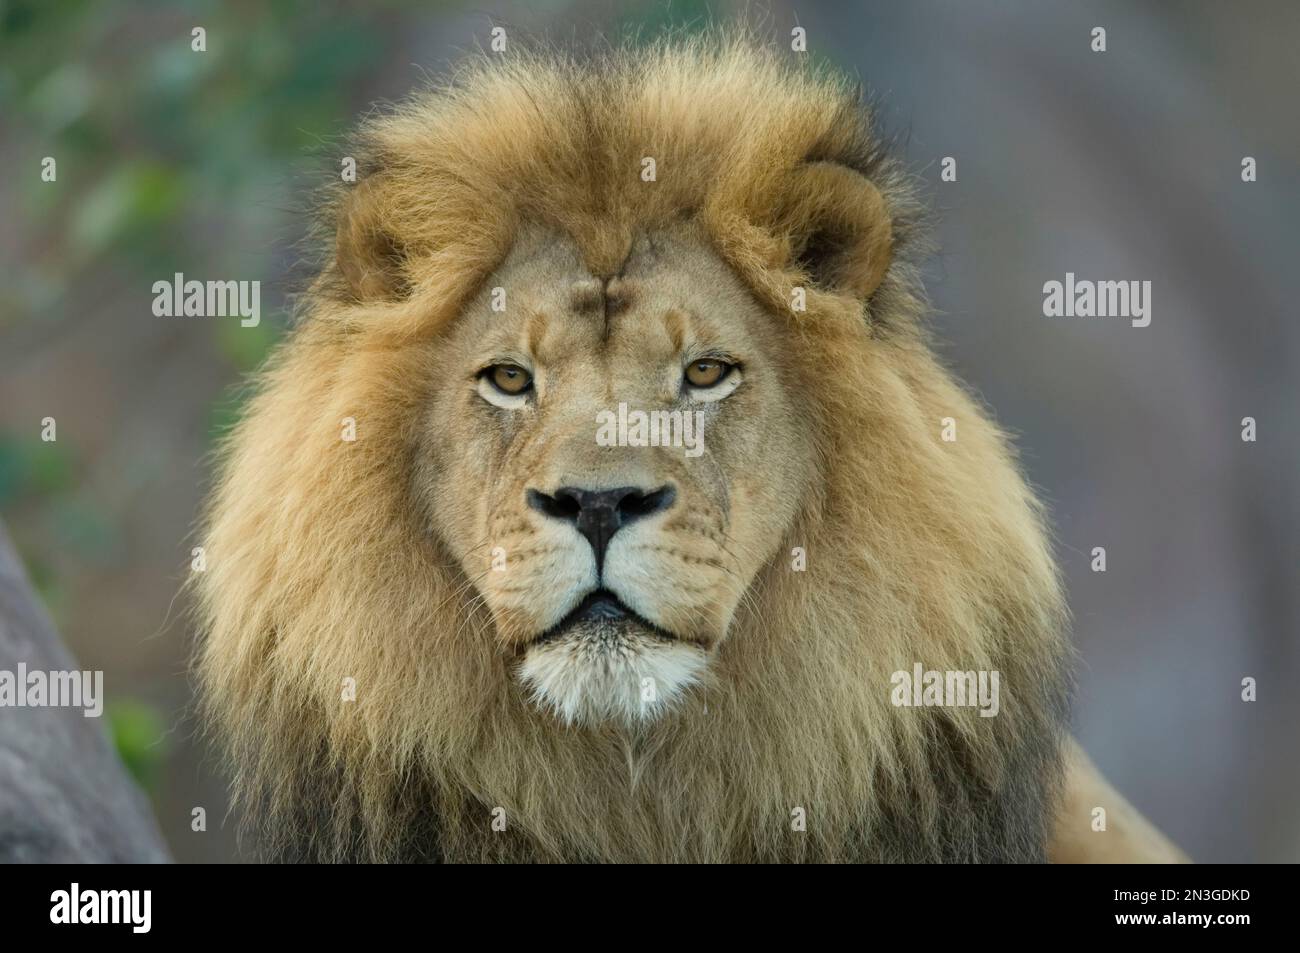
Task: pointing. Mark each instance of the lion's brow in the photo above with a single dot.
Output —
(600, 296)
(587, 295)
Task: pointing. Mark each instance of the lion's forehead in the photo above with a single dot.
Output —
(671, 296)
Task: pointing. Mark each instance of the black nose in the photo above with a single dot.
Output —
(599, 514)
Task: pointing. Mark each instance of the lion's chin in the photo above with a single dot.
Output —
(612, 670)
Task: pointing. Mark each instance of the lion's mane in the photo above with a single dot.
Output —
(323, 566)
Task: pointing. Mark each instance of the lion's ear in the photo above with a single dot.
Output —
(370, 259)
(839, 228)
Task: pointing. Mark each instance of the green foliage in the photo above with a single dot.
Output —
(169, 159)
(138, 732)
(32, 467)
(247, 348)
(226, 412)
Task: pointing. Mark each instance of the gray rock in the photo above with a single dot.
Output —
(64, 795)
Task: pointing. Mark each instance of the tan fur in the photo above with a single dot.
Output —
(1128, 838)
(331, 559)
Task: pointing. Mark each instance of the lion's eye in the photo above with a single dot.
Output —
(510, 379)
(707, 373)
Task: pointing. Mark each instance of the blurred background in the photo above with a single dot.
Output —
(1122, 165)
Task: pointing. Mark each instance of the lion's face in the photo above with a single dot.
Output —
(624, 455)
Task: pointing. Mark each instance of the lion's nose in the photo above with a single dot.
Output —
(599, 514)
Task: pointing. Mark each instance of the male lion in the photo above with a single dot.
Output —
(445, 620)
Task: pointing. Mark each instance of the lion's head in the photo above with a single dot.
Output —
(601, 489)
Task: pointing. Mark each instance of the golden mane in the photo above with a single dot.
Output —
(322, 565)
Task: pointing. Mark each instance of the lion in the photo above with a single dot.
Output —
(454, 612)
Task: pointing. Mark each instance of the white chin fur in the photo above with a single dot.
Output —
(632, 678)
